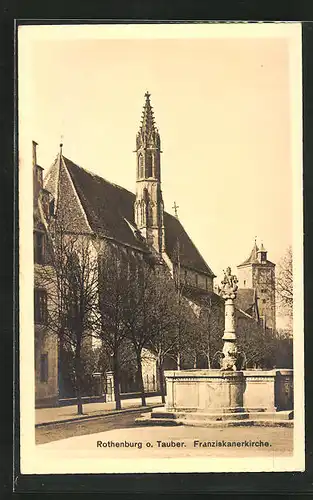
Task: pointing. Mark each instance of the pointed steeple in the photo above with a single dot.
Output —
(148, 135)
(253, 257)
(149, 207)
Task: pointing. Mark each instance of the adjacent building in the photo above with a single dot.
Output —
(256, 294)
(46, 343)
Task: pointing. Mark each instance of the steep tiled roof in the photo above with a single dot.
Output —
(189, 255)
(201, 297)
(253, 257)
(107, 206)
(245, 299)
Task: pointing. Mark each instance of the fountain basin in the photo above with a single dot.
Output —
(234, 392)
(216, 398)
(205, 390)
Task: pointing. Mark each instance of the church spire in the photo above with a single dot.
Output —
(148, 135)
(148, 206)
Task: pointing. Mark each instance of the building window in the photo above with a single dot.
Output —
(44, 368)
(141, 167)
(148, 164)
(206, 284)
(196, 279)
(51, 207)
(39, 247)
(264, 300)
(244, 282)
(41, 311)
(186, 275)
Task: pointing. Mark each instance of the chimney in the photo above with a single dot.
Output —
(35, 144)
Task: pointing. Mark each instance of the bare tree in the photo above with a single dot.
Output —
(141, 316)
(163, 321)
(115, 288)
(284, 283)
(71, 282)
(208, 340)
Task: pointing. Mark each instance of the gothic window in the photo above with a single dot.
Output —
(149, 214)
(39, 247)
(141, 173)
(40, 311)
(148, 164)
(44, 368)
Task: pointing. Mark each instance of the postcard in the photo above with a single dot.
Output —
(161, 247)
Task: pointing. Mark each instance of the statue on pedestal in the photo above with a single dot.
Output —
(229, 285)
(228, 291)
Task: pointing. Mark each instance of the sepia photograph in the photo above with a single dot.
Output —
(161, 248)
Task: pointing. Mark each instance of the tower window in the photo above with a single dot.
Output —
(244, 283)
(140, 166)
(148, 164)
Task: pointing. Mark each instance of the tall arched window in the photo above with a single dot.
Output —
(140, 166)
(148, 164)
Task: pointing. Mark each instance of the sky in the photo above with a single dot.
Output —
(223, 109)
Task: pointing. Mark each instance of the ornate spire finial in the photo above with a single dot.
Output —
(175, 207)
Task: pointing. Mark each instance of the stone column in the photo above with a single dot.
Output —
(110, 396)
(228, 292)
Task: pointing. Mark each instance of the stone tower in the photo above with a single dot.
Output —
(258, 273)
(148, 206)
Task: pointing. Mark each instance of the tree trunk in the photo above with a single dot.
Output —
(78, 369)
(208, 359)
(140, 379)
(195, 361)
(116, 373)
(161, 380)
(178, 361)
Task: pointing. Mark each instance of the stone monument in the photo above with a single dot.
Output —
(227, 395)
(229, 291)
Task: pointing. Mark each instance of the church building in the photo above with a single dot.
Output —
(137, 224)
